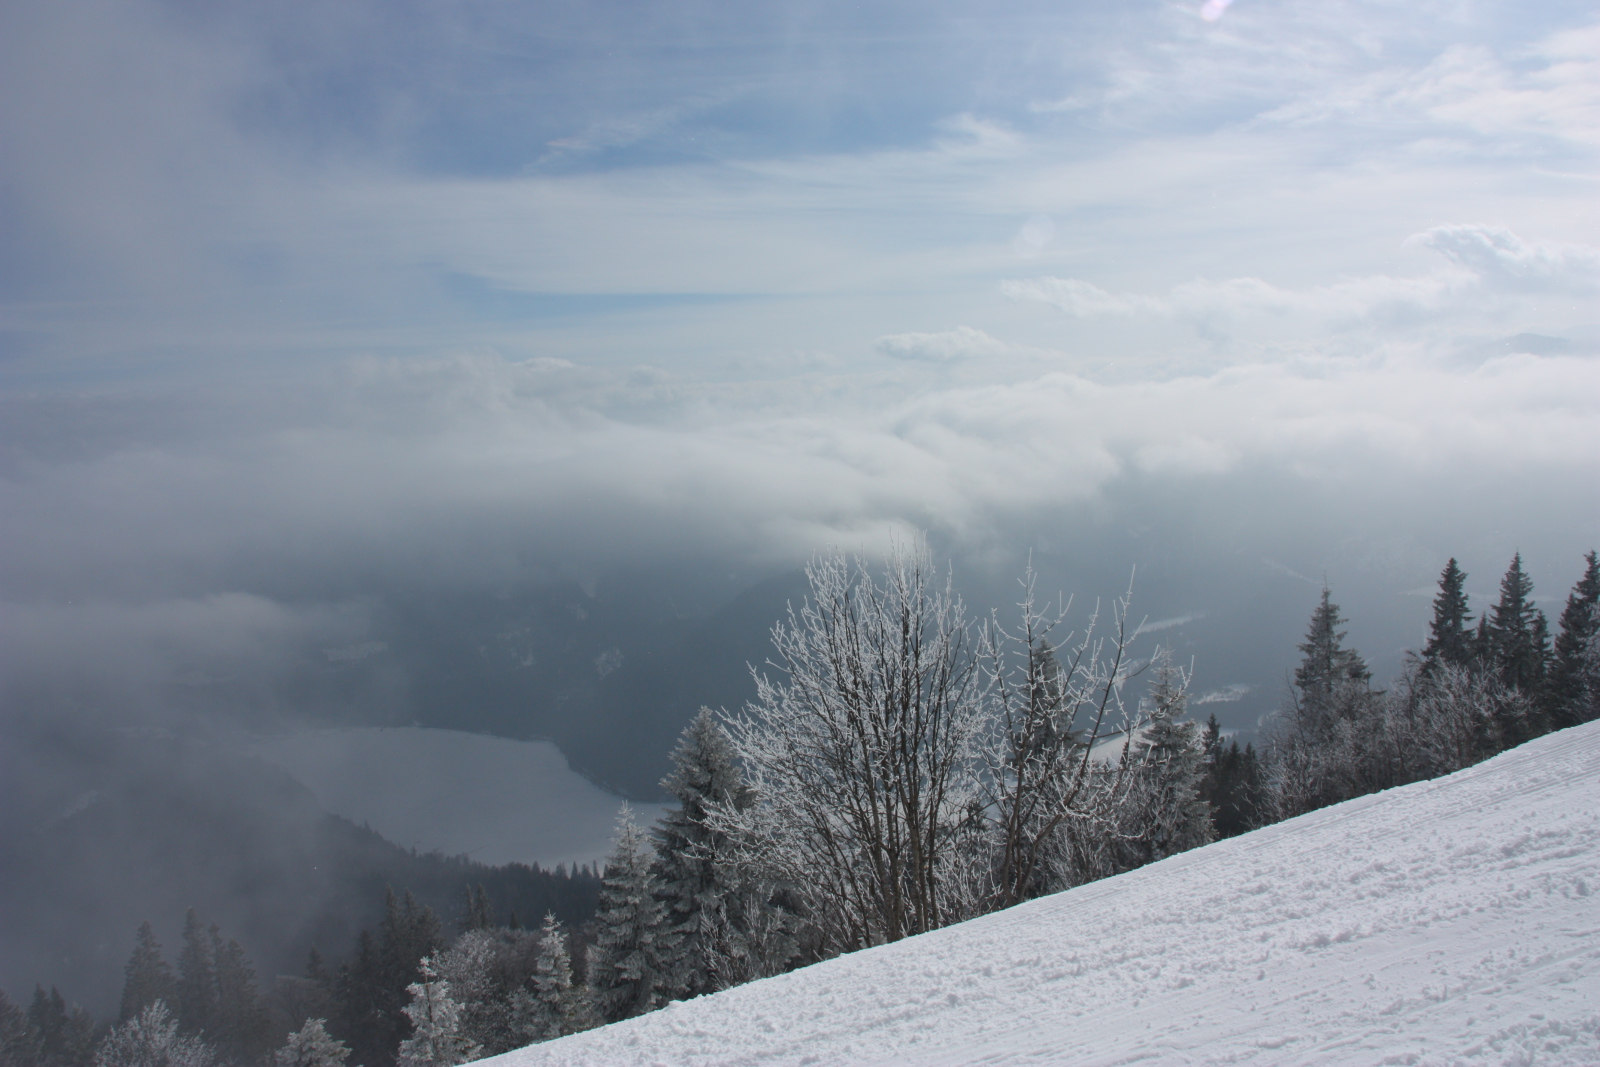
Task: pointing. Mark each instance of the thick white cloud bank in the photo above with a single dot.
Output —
(1447, 922)
(300, 306)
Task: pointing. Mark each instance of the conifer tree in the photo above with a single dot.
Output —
(16, 1044)
(1450, 635)
(715, 909)
(490, 974)
(310, 1046)
(562, 1007)
(1172, 816)
(1327, 667)
(1513, 626)
(59, 1038)
(1518, 648)
(1573, 698)
(197, 978)
(152, 1039)
(241, 1034)
(147, 978)
(630, 963)
(477, 914)
(436, 1039)
(1246, 794)
(370, 991)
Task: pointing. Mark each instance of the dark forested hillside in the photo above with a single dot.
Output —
(127, 827)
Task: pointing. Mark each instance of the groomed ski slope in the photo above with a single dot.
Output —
(1449, 922)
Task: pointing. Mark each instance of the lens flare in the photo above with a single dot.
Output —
(1212, 10)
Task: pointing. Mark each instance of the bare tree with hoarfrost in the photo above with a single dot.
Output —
(1045, 797)
(863, 751)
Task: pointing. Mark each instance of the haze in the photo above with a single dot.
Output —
(358, 357)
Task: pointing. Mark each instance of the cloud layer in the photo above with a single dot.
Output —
(307, 306)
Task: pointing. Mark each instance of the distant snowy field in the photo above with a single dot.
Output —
(495, 799)
(1449, 922)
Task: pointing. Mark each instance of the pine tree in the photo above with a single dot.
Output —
(1326, 748)
(197, 979)
(477, 914)
(152, 1039)
(436, 1039)
(311, 1046)
(630, 963)
(1327, 667)
(1232, 785)
(242, 1022)
(147, 978)
(370, 991)
(1450, 637)
(59, 1038)
(1572, 699)
(1172, 816)
(1247, 793)
(562, 1007)
(1518, 648)
(713, 906)
(16, 1041)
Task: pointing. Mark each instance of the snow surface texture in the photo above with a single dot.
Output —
(1449, 922)
(492, 798)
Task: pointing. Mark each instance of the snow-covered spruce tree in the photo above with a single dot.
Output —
(861, 751)
(436, 1039)
(465, 967)
(151, 1039)
(310, 1046)
(1046, 805)
(630, 963)
(1328, 744)
(493, 975)
(562, 1007)
(719, 910)
(1169, 815)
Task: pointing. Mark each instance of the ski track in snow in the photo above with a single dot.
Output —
(1448, 922)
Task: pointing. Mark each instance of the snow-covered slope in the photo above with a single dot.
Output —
(1450, 922)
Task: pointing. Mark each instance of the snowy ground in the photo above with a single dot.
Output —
(1449, 922)
(492, 798)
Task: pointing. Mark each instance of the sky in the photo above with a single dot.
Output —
(304, 304)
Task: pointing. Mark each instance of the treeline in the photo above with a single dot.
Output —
(208, 1010)
(1480, 685)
